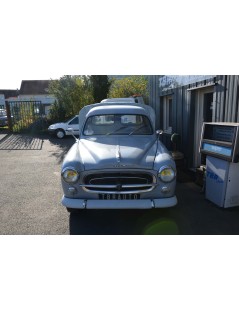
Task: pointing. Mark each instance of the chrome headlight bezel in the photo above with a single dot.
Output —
(167, 174)
(70, 175)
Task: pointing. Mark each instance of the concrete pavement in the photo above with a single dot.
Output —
(30, 194)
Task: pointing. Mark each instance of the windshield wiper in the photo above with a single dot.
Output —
(137, 129)
(110, 133)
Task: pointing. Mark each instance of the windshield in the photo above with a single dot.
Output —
(67, 120)
(118, 124)
(3, 113)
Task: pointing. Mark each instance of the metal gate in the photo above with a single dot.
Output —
(25, 115)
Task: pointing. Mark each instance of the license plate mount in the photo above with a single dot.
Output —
(119, 196)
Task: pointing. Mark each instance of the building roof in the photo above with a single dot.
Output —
(34, 87)
(9, 92)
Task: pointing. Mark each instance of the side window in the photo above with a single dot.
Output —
(166, 114)
(75, 121)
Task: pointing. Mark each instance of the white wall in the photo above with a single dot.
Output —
(45, 99)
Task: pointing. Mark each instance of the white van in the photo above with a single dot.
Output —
(63, 129)
(133, 99)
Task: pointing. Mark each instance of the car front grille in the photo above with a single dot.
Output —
(120, 182)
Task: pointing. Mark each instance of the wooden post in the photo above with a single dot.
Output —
(9, 117)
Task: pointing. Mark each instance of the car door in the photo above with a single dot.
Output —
(74, 124)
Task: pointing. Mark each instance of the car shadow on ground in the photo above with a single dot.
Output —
(123, 222)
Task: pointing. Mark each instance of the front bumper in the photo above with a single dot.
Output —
(74, 203)
(51, 131)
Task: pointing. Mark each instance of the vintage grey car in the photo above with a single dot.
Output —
(118, 162)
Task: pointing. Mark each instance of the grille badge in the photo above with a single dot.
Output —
(119, 187)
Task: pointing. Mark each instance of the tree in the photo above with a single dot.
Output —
(129, 86)
(72, 92)
(101, 85)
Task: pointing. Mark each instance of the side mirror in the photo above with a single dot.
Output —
(159, 132)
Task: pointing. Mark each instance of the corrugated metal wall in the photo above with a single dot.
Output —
(154, 94)
(225, 106)
(227, 99)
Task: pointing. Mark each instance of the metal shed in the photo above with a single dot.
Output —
(183, 108)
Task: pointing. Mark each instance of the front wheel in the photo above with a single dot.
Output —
(60, 133)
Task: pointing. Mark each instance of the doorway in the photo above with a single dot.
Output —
(203, 113)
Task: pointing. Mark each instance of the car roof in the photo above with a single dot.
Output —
(116, 109)
(120, 108)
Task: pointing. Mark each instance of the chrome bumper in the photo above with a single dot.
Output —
(119, 204)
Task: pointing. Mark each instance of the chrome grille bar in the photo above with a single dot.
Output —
(119, 182)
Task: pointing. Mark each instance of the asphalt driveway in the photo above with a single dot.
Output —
(30, 194)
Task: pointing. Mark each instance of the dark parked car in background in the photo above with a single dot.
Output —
(3, 118)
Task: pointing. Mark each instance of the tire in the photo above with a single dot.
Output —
(60, 133)
(70, 210)
(77, 211)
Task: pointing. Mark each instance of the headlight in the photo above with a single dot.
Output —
(166, 174)
(52, 127)
(70, 175)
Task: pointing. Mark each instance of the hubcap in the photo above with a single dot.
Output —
(60, 134)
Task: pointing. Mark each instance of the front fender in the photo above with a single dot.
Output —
(73, 158)
(163, 158)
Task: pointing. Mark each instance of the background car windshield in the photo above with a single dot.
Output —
(118, 124)
(75, 121)
(3, 113)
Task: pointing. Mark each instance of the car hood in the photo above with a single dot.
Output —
(57, 125)
(118, 152)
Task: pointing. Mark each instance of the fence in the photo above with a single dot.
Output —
(25, 115)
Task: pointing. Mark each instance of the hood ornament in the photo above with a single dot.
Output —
(118, 155)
